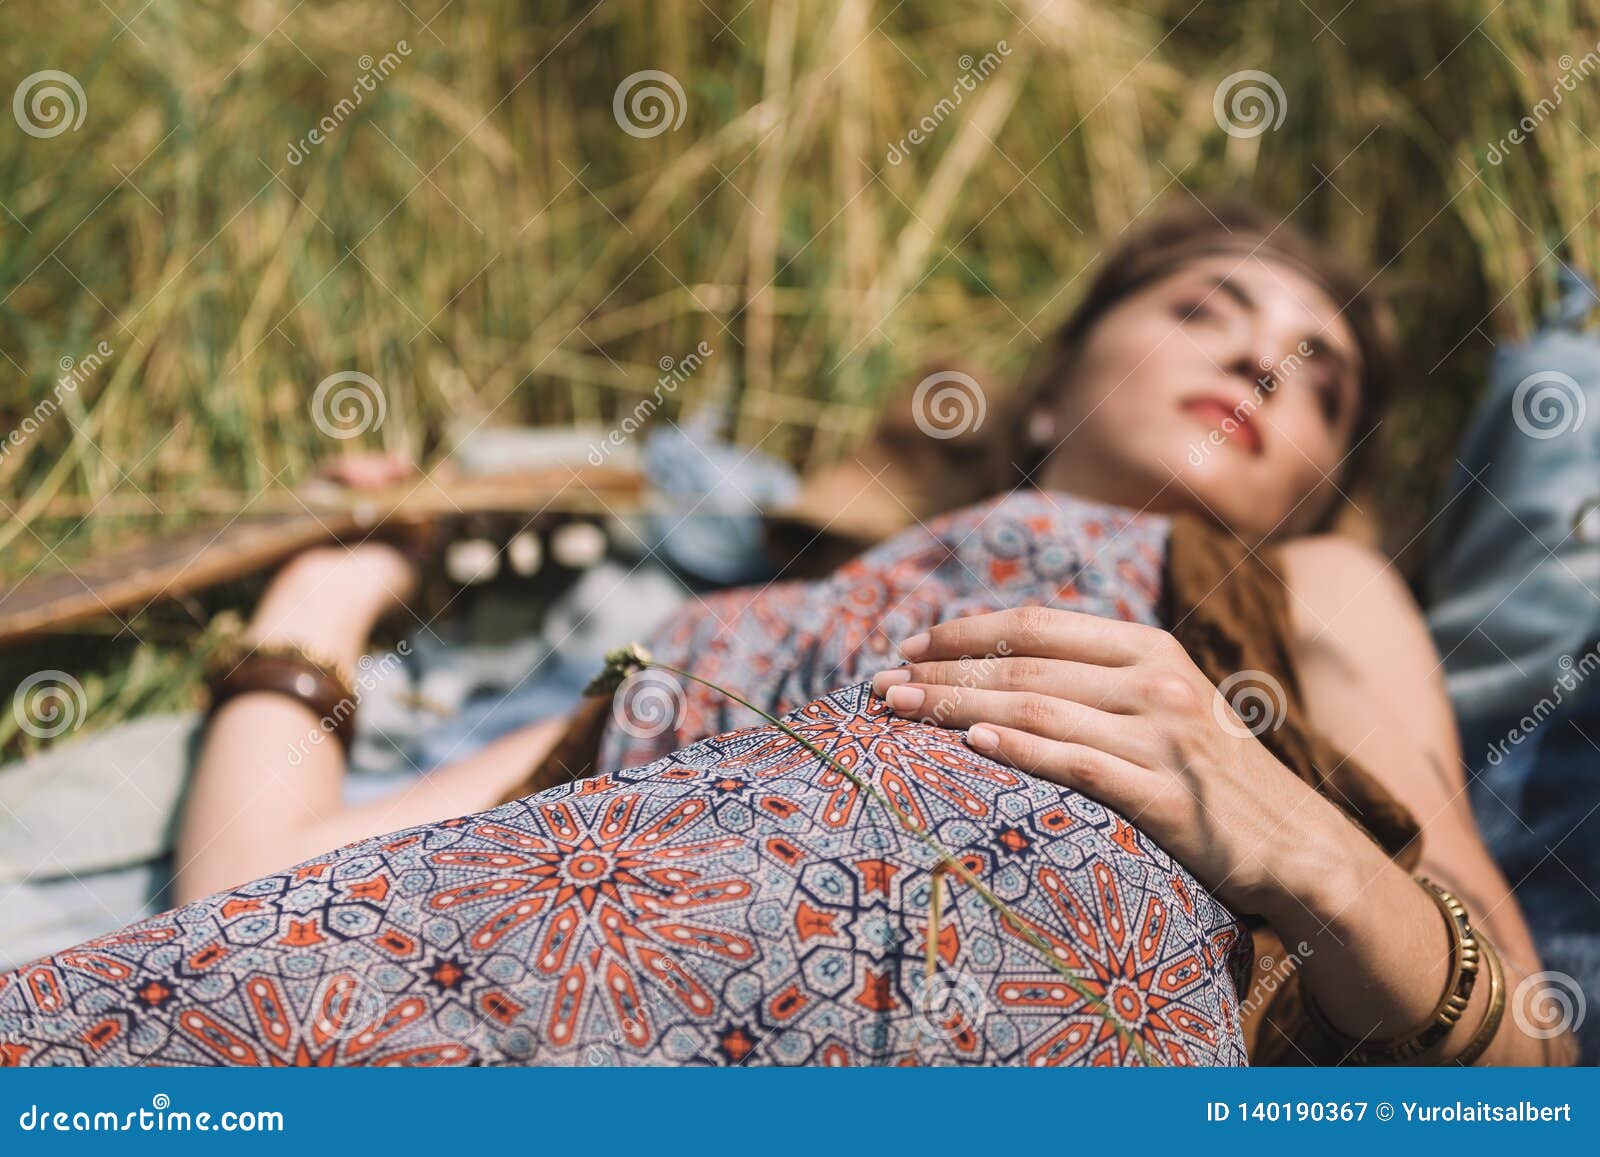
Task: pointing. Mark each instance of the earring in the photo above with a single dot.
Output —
(1041, 428)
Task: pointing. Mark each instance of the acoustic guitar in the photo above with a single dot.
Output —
(272, 528)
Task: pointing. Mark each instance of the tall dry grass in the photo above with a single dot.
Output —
(481, 236)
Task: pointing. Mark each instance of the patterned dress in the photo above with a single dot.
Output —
(719, 895)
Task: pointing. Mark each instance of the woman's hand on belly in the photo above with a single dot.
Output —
(1121, 713)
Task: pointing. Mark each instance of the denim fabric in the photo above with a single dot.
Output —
(714, 492)
(1514, 592)
(1513, 586)
(1536, 792)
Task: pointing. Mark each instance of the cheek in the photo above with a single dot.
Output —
(1123, 379)
(1307, 450)
(1284, 490)
(1303, 478)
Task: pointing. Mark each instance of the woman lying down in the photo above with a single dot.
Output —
(1044, 838)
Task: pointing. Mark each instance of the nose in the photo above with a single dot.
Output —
(1242, 365)
(1252, 358)
(1239, 349)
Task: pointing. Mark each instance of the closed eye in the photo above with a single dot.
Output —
(1329, 397)
(1328, 371)
(1193, 309)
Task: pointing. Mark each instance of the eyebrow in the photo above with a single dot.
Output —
(1231, 288)
(1320, 346)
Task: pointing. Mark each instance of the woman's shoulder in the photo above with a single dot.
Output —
(1354, 623)
(1339, 575)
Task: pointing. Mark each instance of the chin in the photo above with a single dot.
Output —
(1221, 496)
(1215, 480)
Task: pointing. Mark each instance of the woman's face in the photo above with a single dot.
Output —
(1229, 387)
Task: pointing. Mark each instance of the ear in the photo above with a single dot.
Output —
(1041, 428)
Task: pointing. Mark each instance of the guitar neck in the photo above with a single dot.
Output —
(124, 581)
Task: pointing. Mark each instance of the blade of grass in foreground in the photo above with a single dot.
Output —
(624, 661)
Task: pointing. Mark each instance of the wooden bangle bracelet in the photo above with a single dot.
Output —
(283, 669)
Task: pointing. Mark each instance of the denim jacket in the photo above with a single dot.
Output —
(1514, 582)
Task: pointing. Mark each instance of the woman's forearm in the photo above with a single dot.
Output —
(1378, 953)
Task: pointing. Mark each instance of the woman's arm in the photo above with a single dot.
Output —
(1372, 685)
(267, 790)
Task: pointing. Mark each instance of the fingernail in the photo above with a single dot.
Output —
(983, 738)
(885, 679)
(905, 698)
(916, 646)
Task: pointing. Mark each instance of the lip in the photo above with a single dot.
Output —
(1218, 414)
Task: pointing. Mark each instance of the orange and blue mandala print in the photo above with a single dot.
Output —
(739, 902)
